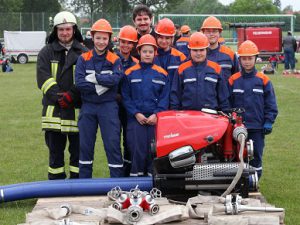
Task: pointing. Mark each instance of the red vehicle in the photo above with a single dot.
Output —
(202, 151)
(267, 36)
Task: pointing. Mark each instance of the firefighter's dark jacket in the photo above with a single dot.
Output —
(55, 74)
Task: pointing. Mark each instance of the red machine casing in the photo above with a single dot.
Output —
(176, 129)
(267, 39)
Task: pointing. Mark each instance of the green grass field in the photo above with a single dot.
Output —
(24, 156)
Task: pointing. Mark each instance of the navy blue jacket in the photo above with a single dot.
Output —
(182, 46)
(108, 70)
(226, 58)
(254, 92)
(169, 60)
(145, 89)
(131, 61)
(197, 86)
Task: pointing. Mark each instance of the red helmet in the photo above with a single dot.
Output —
(147, 39)
(128, 33)
(198, 41)
(102, 25)
(211, 22)
(165, 27)
(248, 48)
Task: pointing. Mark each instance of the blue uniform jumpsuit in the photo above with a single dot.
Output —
(169, 60)
(226, 58)
(197, 86)
(99, 106)
(131, 61)
(144, 90)
(254, 92)
(182, 46)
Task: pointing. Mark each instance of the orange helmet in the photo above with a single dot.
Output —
(101, 25)
(147, 39)
(198, 41)
(128, 33)
(211, 22)
(165, 27)
(184, 29)
(248, 48)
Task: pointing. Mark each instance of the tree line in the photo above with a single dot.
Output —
(158, 6)
(123, 8)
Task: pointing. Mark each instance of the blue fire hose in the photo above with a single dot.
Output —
(72, 187)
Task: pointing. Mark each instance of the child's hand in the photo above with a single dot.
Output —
(152, 120)
(141, 118)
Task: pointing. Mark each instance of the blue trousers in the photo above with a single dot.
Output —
(258, 138)
(106, 116)
(139, 140)
(289, 59)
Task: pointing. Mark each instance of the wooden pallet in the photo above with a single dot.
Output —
(99, 202)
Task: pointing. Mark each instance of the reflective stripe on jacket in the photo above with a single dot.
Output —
(55, 74)
(169, 60)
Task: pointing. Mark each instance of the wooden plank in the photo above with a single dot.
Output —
(99, 202)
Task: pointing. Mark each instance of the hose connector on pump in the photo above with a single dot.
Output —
(240, 133)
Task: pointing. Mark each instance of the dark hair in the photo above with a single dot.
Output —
(139, 9)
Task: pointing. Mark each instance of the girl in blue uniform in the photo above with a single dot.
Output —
(145, 92)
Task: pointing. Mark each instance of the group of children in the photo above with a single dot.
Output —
(120, 90)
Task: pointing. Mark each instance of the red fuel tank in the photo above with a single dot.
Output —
(176, 129)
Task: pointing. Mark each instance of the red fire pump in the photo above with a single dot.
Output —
(202, 151)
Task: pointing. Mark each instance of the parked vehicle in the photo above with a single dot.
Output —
(22, 44)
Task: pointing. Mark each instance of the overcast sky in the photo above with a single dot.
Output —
(284, 3)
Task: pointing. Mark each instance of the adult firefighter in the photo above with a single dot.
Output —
(97, 76)
(221, 54)
(253, 91)
(199, 83)
(55, 66)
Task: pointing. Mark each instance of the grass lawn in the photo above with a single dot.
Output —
(24, 156)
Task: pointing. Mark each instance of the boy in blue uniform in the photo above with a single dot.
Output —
(199, 83)
(221, 54)
(128, 37)
(167, 57)
(97, 76)
(254, 92)
(145, 92)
